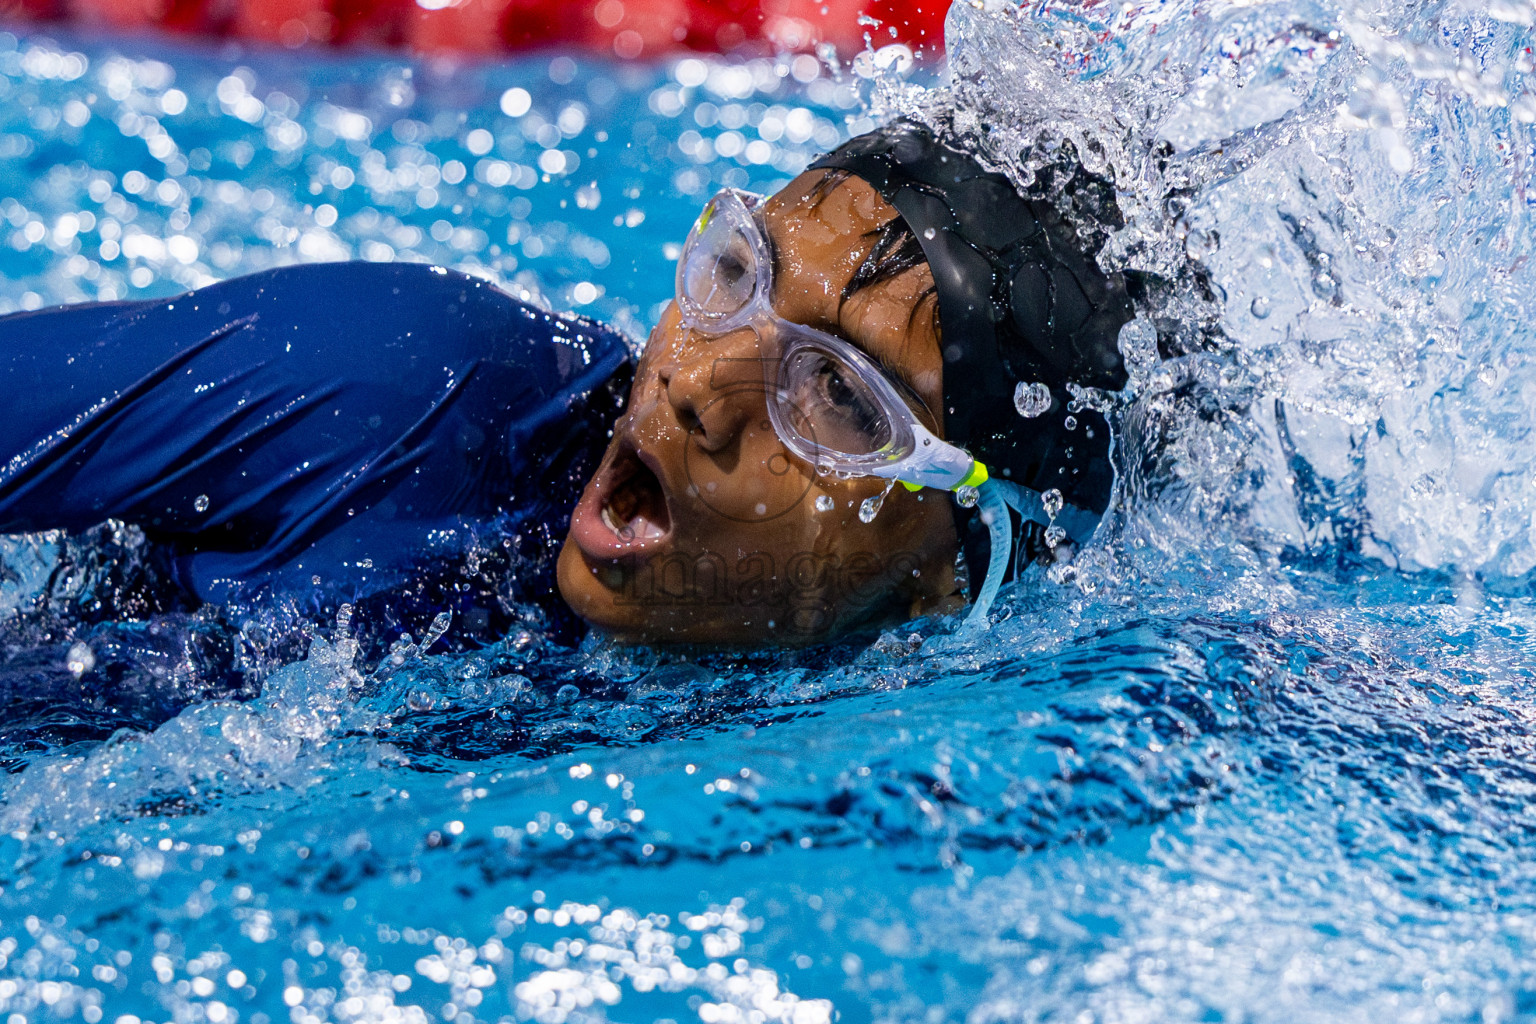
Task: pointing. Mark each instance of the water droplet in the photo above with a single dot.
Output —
(201, 503)
(1031, 400)
(870, 507)
(80, 660)
(1138, 342)
(1054, 535)
(1071, 422)
(967, 497)
(929, 234)
(1051, 501)
(1259, 307)
(825, 503)
(567, 693)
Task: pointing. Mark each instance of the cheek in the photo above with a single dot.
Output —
(905, 532)
(759, 493)
(930, 386)
(894, 322)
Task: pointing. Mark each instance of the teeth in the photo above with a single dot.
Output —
(639, 526)
(610, 522)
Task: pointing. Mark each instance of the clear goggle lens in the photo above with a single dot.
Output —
(719, 275)
(829, 406)
(833, 408)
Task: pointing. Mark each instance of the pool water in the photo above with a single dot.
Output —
(1265, 752)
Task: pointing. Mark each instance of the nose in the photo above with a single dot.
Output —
(716, 389)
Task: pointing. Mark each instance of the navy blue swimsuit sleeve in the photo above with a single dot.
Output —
(339, 421)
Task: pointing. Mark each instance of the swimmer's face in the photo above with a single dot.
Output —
(701, 527)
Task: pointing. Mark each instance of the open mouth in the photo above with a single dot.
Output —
(634, 507)
(623, 511)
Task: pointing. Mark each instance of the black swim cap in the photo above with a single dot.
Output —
(1020, 302)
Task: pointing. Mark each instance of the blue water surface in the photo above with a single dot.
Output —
(1265, 753)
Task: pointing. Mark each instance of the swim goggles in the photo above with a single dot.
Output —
(829, 402)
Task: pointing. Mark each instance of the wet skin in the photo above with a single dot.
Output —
(701, 527)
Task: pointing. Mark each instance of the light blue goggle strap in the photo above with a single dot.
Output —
(993, 500)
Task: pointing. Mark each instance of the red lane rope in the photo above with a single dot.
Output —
(631, 29)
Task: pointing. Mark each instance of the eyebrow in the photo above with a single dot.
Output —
(896, 250)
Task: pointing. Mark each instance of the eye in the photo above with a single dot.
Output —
(730, 270)
(832, 408)
(839, 394)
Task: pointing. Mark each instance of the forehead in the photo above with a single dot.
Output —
(822, 207)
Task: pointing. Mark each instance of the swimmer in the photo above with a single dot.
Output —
(859, 378)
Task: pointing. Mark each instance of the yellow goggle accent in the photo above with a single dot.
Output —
(975, 478)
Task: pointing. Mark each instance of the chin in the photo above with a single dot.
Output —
(585, 591)
(603, 597)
